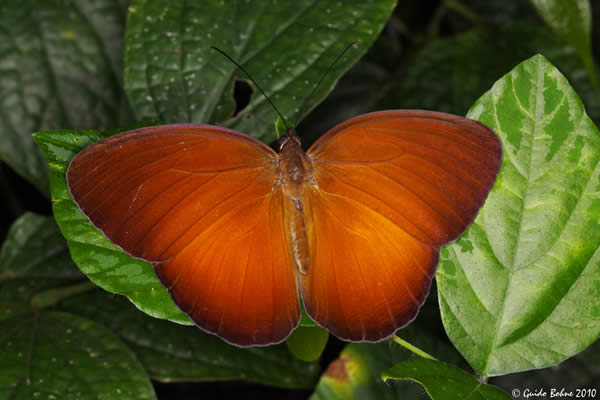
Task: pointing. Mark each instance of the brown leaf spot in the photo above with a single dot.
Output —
(337, 369)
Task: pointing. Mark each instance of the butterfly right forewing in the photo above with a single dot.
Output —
(390, 189)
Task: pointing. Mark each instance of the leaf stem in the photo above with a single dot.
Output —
(50, 298)
(412, 348)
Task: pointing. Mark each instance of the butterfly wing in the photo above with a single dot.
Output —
(199, 203)
(391, 188)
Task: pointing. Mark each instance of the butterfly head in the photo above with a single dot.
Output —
(288, 139)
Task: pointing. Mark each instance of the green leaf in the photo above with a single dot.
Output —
(305, 319)
(34, 260)
(35, 248)
(280, 127)
(104, 263)
(307, 343)
(440, 79)
(358, 92)
(442, 381)
(572, 20)
(172, 352)
(521, 289)
(356, 374)
(579, 372)
(61, 67)
(172, 74)
(57, 355)
(16, 295)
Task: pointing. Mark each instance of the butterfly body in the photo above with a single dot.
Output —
(239, 234)
(295, 178)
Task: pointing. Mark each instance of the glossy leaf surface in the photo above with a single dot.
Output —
(172, 352)
(42, 85)
(520, 289)
(57, 355)
(172, 74)
(442, 381)
(35, 248)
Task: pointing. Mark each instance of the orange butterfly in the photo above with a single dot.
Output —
(237, 233)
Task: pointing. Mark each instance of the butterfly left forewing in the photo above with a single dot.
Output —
(389, 189)
(199, 203)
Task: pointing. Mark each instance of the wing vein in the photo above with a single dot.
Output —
(162, 217)
(459, 161)
(375, 211)
(443, 192)
(219, 218)
(130, 173)
(107, 160)
(416, 195)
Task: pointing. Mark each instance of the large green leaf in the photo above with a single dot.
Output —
(442, 381)
(35, 248)
(572, 20)
(173, 352)
(173, 75)
(61, 67)
(35, 251)
(57, 355)
(521, 289)
(16, 295)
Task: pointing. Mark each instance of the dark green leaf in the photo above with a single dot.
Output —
(442, 381)
(571, 20)
(61, 67)
(450, 74)
(57, 355)
(357, 92)
(16, 295)
(171, 352)
(35, 248)
(521, 289)
(172, 74)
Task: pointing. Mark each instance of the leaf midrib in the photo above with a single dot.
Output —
(539, 113)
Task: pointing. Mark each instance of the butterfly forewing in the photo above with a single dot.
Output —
(390, 189)
(199, 203)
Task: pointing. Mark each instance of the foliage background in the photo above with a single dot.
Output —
(438, 55)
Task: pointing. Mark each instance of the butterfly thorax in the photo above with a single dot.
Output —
(295, 176)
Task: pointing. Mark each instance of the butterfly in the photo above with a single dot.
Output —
(239, 234)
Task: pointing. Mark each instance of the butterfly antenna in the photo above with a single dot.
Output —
(254, 82)
(321, 80)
